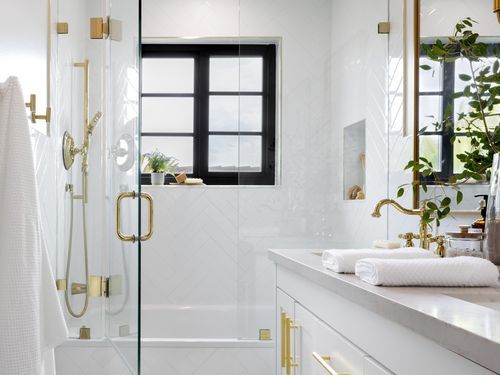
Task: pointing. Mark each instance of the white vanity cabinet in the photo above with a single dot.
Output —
(321, 350)
(323, 333)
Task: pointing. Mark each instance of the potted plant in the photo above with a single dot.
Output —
(480, 123)
(158, 164)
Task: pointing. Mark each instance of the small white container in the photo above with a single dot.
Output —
(157, 178)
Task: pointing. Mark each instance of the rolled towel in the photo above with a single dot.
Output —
(343, 261)
(447, 272)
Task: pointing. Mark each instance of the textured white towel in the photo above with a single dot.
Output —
(447, 272)
(31, 319)
(344, 261)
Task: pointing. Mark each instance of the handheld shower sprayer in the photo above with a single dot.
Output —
(93, 123)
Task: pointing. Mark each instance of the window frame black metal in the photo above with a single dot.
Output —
(201, 54)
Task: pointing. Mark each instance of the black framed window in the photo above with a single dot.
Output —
(437, 87)
(213, 107)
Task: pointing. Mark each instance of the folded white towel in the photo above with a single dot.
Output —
(343, 261)
(447, 272)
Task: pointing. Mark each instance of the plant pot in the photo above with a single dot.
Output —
(157, 178)
(493, 214)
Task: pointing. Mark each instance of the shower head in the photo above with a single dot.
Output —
(95, 120)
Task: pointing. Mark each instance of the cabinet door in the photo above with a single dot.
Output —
(322, 350)
(286, 329)
(372, 367)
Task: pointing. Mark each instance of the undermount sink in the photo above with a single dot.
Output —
(490, 299)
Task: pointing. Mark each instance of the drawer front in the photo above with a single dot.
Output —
(321, 350)
(372, 367)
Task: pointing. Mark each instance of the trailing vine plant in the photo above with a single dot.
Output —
(481, 123)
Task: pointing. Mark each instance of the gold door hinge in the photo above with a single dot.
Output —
(98, 286)
(384, 27)
(104, 28)
(99, 28)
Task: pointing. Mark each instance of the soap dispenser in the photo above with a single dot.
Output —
(483, 203)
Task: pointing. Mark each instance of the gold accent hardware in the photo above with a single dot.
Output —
(440, 240)
(288, 348)
(384, 27)
(99, 29)
(84, 333)
(32, 107)
(61, 284)
(496, 8)
(98, 286)
(124, 330)
(264, 334)
(408, 237)
(62, 27)
(133, 237)
(423, 235)
(78, 288)
(284, 338)
(322, 361)
(69, 150)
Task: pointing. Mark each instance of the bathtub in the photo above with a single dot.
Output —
(187, 340)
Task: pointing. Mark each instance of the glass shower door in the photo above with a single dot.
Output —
(123, 181)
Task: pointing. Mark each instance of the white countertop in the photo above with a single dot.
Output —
(468, 329)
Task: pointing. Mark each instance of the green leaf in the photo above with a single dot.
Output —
(445, 202)
(425, 67)
(432, 206)
(460, 197)
(401, 191)
(464, 77)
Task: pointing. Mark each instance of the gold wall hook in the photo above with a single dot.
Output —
(32, 107)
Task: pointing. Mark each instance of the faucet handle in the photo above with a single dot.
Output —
(409, 237)
(440, 240)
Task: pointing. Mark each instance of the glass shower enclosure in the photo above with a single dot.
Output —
(96, 64)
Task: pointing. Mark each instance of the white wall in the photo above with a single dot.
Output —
(360, 92)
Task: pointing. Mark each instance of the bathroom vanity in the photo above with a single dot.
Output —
(330, 323)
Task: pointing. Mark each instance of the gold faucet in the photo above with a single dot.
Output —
(423, 235)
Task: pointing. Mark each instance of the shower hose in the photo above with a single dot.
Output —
(85, 251)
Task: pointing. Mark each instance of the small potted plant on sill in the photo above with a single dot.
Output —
(158, 164)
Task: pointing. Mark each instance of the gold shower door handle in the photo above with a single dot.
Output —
(133, 237)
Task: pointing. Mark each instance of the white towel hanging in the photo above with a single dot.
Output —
(31, 318)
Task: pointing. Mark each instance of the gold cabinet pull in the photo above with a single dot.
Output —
(133, 237)
(322, 361)
(289, 325)
(284, 338)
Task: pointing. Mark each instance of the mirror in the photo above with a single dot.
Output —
(355, 161)
(442, 121)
